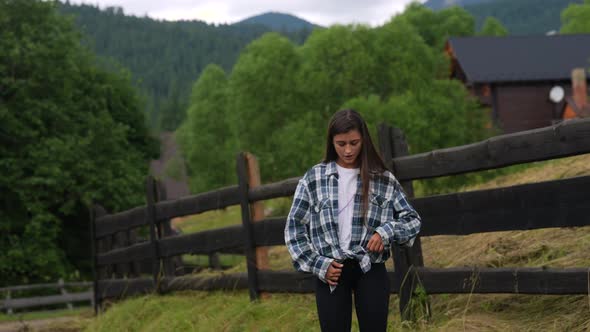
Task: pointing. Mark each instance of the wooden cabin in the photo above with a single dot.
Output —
(515, 75)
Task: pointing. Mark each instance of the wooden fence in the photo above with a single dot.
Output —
(9, 303)
(560, 203)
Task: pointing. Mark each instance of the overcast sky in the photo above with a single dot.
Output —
(322, 12)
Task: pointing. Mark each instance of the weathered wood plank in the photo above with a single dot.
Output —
(505, 280)
(559, 203)
(135, 252)
(120, 288)
(165, 229)
(562, 140)
(150, 191)
(273, 190)
(38, 301)
(435, 281)
(215, 240)
(247, 227)
(232, 281)
(298, 282)
(286, 282)
(211, 200)
(42, 286)
(256, 209)
(218, 199)
(269, 232)
(122, 221)
(95, 211)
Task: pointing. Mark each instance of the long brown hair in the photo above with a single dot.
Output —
(371, 163)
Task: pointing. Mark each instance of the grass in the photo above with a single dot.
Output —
(209, 220)
(232, 311)
(203, 260)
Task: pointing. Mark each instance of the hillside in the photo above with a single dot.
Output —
(279, 22)
(520, 17)
(165, 58)
(441, 4)
(232, 311)
(523, 17)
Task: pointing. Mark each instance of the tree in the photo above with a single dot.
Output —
(160, 52)
(405, 60)
(263, 93)
(336, 65)
(204, 137)
(493, 27)
(436, 27)
(576, 18)
(70, 134)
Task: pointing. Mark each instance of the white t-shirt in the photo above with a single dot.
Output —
(347, 185)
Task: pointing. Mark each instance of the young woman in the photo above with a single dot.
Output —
(346, 213)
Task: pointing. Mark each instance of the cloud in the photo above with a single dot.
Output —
(325, 12)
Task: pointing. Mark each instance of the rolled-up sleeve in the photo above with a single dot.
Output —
(297, 239)
(406, 222)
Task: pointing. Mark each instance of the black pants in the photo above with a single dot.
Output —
(371, 299)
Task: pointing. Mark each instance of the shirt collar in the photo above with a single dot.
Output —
(331, 168)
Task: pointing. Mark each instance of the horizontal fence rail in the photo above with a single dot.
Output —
(506, 280)
(121, 221)
(225, 239)
(136, 217)
(118, 288)
(136, 252)
(46, 286)
(212, 200)
(274, 190)
(40, 301)
(560, 203)
(9, 303)
(562, 140)
(435, 281)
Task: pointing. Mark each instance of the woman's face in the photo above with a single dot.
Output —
(348, 147)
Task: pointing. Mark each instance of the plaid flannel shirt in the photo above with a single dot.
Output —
(311, 231)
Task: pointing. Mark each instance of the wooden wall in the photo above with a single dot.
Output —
(518, 107)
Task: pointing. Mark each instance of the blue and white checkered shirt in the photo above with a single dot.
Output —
(311, 231)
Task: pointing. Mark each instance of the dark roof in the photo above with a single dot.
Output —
(521, 58)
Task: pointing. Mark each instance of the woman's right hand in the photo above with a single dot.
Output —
(333, 273)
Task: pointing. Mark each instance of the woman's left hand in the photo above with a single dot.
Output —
(375, 243)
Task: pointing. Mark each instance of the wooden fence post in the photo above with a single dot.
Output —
(96, 212)
(392, 143)
(134, 266)
(62, 289)
(150, 188)
(257, 208)
(250, 249)
(164, 230)
(257, 213)
(120, 240)
(8, 297)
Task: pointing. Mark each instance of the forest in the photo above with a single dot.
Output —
(165, 57)
(73, 127)
(522, 17)
(71, 134)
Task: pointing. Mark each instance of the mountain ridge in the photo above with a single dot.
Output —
(279, 21)
(441, 4)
